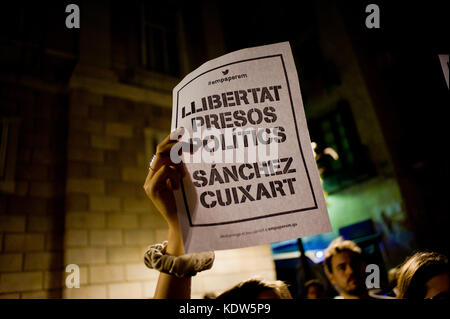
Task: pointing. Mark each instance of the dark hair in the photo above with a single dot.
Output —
(252, 288)
(417, 270)
(314, 282)
(336, 246)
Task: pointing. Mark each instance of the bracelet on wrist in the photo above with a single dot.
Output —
(187, 265)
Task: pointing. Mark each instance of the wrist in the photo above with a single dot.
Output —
(175, 245)
(173, 224)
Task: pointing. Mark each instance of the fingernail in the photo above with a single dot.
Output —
(176, 134)
(179, 130)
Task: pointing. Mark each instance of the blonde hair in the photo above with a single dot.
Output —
(416, 271)
(253, 287)
(336, 246)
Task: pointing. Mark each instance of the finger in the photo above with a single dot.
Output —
(175, 180)
(173, 149)
(153, 180)
(165, 149)
(175, 135)
(181, 169)
(175, 152)
(166, 177)
(163, 174)
(147, 179)
(172, 137)
(160, 161)
(157, 164)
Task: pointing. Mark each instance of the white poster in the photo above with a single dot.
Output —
(443, 58)
(252, 178)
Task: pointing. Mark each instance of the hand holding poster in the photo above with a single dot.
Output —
(251, 178)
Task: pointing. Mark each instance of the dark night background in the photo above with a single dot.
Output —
(81, 111)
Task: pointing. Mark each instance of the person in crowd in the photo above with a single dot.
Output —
(209, 295)
(345, 269)
(425, 275)
(314, 289)
(177, 268)
(255, 288)
(392, 279)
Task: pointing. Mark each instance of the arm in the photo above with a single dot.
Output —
(162, 179)
(170, 286)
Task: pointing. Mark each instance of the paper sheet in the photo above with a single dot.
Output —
(252, 179)
(443, 58)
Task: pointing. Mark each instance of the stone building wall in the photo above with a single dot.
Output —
(109, 220)
(32, 216)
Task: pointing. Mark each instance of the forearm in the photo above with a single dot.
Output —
(175, 245)
(169, 286)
